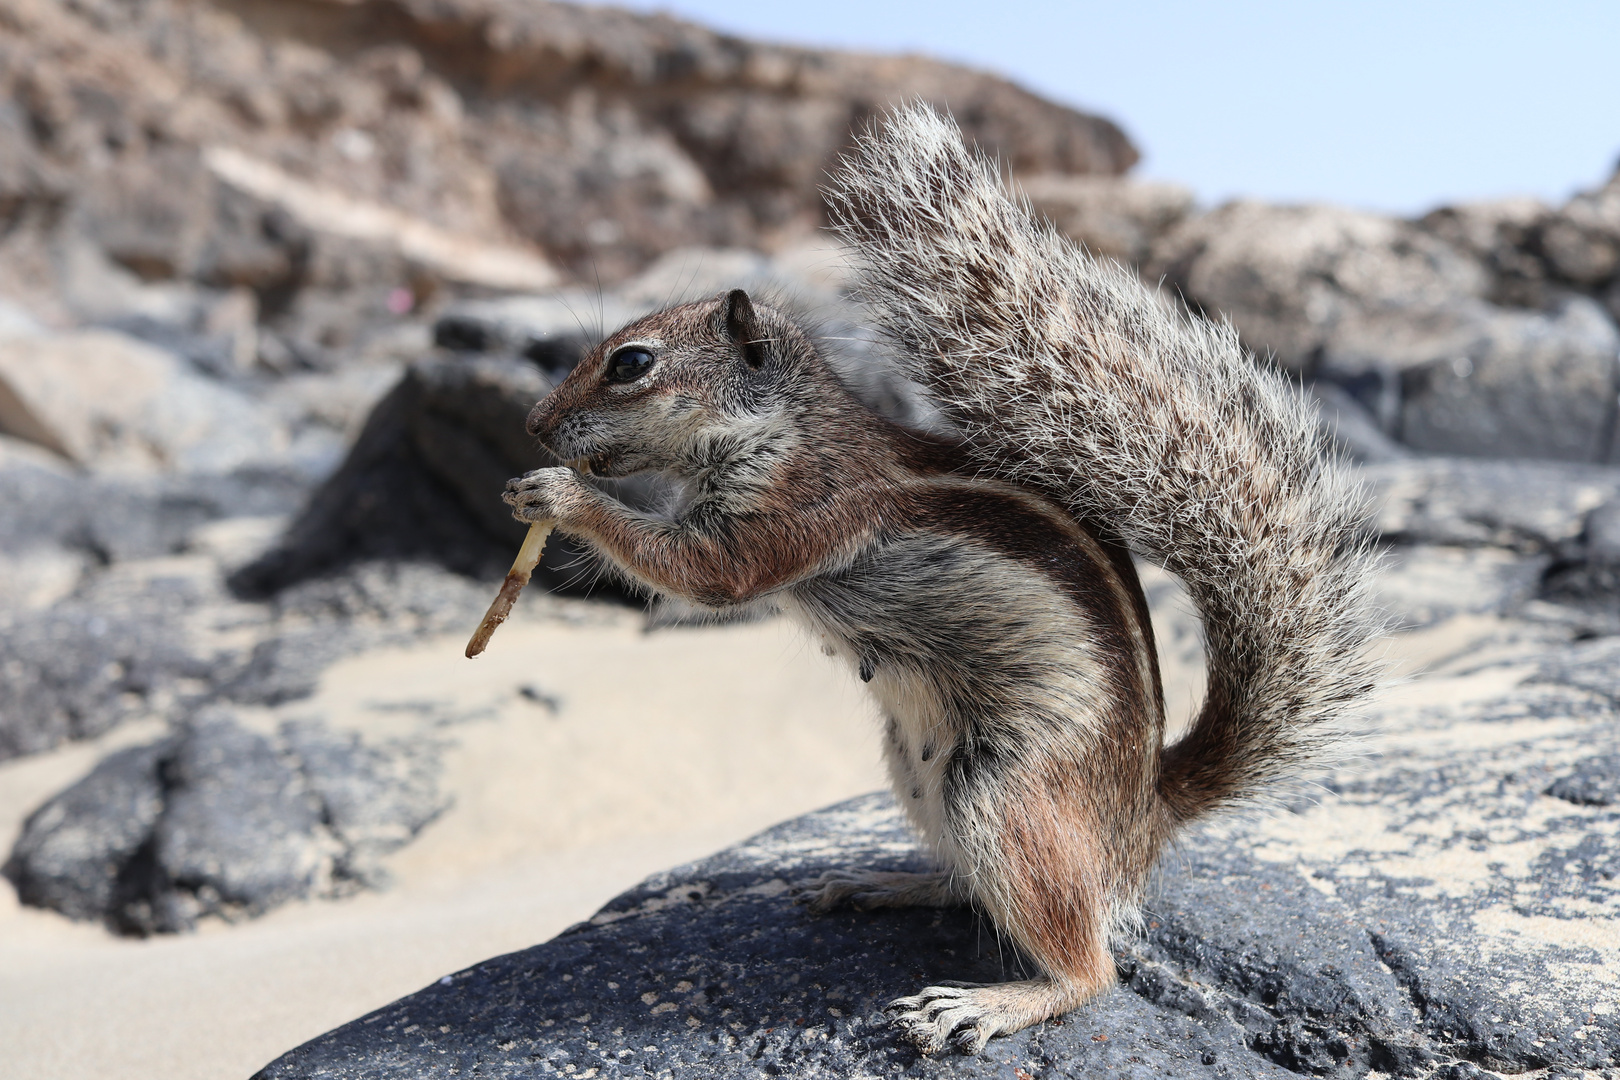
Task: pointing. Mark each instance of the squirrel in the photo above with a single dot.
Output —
(981, 582)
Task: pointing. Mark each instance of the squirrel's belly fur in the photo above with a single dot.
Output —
(977, 656)
(1011, 715)
(982, 584)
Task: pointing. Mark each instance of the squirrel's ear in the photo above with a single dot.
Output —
(742, 326)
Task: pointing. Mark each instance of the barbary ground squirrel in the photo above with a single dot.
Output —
(982, 584)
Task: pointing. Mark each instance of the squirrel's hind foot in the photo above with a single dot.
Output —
(965, 1016)
(865, 889)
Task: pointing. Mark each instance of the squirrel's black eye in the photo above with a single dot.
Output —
(628, 365)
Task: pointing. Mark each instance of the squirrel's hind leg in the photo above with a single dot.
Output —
(1028, 839)
(968, 1015)
(880, 889)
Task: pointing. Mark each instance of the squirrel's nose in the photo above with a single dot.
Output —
(540, 420)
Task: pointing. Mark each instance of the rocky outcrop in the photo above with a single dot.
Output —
(341, 162)
(157, 634)
(1527, 507)
(287, 279)
(1432, 914)
(1436, 912)
(1439, 909)
(1485, 330)
(106, 399)
(221, 820)
(1113, 217)
(423, 479)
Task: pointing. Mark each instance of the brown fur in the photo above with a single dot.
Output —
(1032, 796)
(984, 590)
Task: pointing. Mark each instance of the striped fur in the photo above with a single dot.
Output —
(1069, 377)
(984, 590)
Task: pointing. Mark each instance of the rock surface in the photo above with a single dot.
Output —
(324, 156)
(1114, 217)
(1478, 330)
(1445, 907)
(258, 329)
(162, 637)
(1440, 911)
(221, 820)
(106, 399)
(1523, 506)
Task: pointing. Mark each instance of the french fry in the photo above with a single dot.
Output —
(517, 577)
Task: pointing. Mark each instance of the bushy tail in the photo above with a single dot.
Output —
(1068, 375)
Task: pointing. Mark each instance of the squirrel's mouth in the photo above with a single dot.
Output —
(605, 466)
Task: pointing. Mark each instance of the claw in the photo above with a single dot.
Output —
(971, 1039)
(950, 1014)
(832, 888)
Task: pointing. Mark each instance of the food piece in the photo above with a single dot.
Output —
(517, 577)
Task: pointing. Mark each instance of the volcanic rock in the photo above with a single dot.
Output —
(221, 820)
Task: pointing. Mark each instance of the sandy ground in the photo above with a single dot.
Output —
(664, 747)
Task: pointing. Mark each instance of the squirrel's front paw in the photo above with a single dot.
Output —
(543, 495)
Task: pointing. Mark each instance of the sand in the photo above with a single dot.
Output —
(665, 746)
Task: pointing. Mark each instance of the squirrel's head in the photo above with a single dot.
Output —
(674, 388)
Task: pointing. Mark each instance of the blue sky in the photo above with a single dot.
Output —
(1392, 106)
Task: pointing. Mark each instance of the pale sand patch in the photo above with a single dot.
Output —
(666, 746)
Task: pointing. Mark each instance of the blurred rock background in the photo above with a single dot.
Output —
(279, 280)
(294, 272)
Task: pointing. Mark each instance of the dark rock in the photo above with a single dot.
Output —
(1429, 917)
(424, 479)
(116, 518)
(288, 665)
(712, 970)
(222, 821)
(162, 639)
(399, 599)
(40, 492)
(1442, 513)
(1603, 532)
(132, 519)
(1516, 384)
(1249, 967)
(79, 669)
(74, 849)
(240, 829)
(1591, 575)
(1465, 377)
(375, 799)
(322, 620)
(1295, 972)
